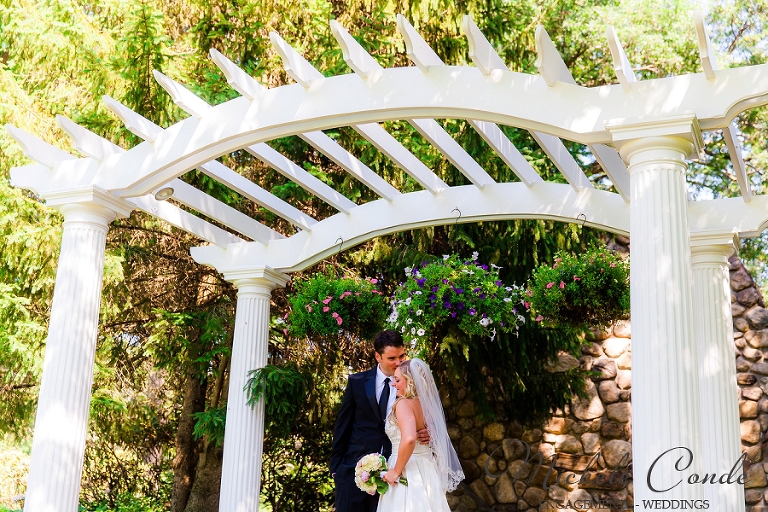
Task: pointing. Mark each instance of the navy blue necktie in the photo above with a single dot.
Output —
(384, 399)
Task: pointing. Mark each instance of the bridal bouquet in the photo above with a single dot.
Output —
(368, 474)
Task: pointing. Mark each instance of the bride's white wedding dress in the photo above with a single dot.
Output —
(423, 492)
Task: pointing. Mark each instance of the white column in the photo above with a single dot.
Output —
(713, 324)
(58, 446)
(244, 432)
(665, 388)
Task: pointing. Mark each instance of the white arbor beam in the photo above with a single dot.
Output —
(558, 153)
(729, 132)
(98, 147)
(365, 66)
(350, 163)
(425, 57)
(500, 143)
(737, 160)
(189, 196)
(553, 69)
(134, 123)
(238, 79)
(258, 195)
(416, 47)
(549, 62)
(306, 74)
(621, 64)
(305, 180)
(293, 62)
(188, 101)
(361, 62)
(480, 50)
(37, 149)
(175, 216)
(705, 46)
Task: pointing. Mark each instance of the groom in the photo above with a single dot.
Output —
(359, 429)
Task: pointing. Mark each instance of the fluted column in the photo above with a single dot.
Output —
(244, 432)
(58, 446)
(713, 324)
(665, 389)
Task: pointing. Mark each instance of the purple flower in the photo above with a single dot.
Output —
(432, 305)
(482, 295)
(445, 281)
(460, 305)
(476, 289)
(421, 282)
(484, 267)
(446, 304)
(453, 315)
(434, 289)
(472, 311)
(458, 291)
(498, 283)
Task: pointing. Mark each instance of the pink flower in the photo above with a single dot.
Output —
(613, 265)
(374, 281)
(360, 463)
(326, 309)
(286, 316)
(562, 285)
(576, 278)
(365, 476)
(285, 332)
(527, 305)
(327, 300)
(309, 308)
(550, 285)
(539, 318)
(529, 293)
(339, 320)
(335, 314)
(357, 294)
(377, 292)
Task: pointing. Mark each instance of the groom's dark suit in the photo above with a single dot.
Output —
(359, 431)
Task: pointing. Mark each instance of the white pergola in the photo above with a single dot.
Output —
(640, 132)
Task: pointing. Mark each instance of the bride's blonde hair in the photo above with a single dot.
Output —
(410, 386)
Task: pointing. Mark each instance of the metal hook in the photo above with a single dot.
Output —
(584, 221)
(457, 210)
(340, 245)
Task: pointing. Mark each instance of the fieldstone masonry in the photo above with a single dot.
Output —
(602, 422)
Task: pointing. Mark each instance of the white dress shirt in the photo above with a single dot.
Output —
(380, 387)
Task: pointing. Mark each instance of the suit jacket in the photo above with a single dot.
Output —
(359, 427)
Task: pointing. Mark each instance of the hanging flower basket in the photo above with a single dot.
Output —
(591, 289)
(457, 291)
(325, 305)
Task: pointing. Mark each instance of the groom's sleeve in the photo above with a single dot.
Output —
(343, 429)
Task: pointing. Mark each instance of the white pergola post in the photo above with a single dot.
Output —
(58, 448)
(713, 325)
(665, 401)
(244, 432)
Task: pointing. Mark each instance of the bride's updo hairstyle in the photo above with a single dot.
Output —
(410, 386)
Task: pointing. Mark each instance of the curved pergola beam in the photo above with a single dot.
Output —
(498, 201)
(572, 112)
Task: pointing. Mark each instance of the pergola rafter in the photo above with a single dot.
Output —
(640, 133)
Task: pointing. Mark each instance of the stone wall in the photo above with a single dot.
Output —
(602, 423)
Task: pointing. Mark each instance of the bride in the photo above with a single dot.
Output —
(431, 470)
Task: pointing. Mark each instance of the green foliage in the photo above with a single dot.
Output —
(211, 423)
(322, 304)
(456, 293)
(284, 389)
(589, 289)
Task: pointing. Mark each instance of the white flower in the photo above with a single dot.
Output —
(413, 342)
(420, 332)
(408, 301)
(417, 292)
(402, 329)
(521, 318)
(508, 289)
(419, 312)
(465, 271)
(409, 321)
(495, 267)
(445, 257)
(475, 255)
(279, 321)
(485, 321)
(470, 272)
(493, 334)
(408, 271)
(413, 330)
(507, 299)
(417, 274)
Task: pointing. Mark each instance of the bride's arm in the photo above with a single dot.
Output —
(406, 420)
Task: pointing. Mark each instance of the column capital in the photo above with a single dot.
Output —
(256, 276)
(713, 248)
(88, 204)
(679, 133)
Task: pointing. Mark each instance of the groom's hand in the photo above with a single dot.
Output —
(423, 436)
